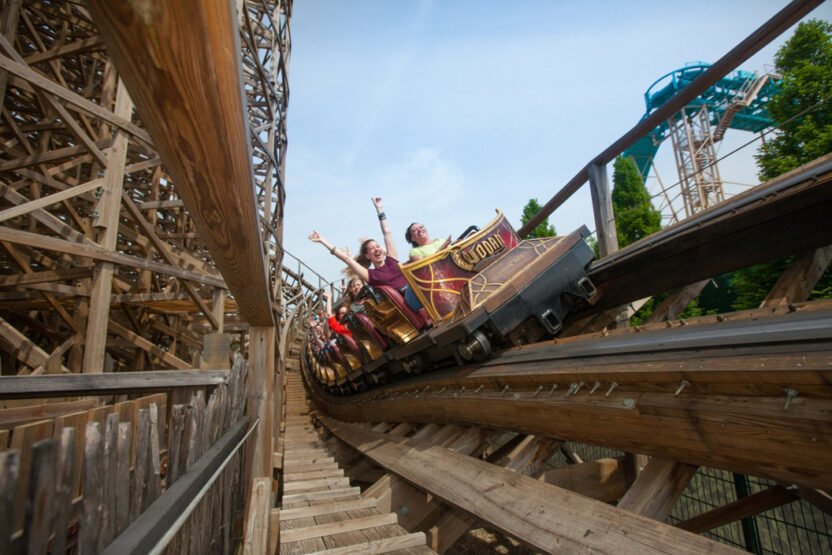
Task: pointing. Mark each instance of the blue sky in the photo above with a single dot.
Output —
(450, 109)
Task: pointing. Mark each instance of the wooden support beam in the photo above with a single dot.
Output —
(518, 505)
(165, 251)
(599, 187)
(676, 302)
(797, 282)
(108, 205)
(75, 100)
(45, 277)
(525, 458)
(24, 349)
(657, 488)
(195, 114)
(48, 200)
(97, 253)
(770, 498)
(819, 498)
(603, 479)
(261, 367)
(145, 345)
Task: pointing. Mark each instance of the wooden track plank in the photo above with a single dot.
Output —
(196, 116)
(518, 505)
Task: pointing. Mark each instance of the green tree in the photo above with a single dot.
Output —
(635, 216)
(805, 62)
(543, 229)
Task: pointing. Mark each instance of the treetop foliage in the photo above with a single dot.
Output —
(543, 229)
(635, 216)
(805, 62)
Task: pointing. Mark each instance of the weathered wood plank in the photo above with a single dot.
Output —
(16, 416)
(109, 479)
(256, 536)
(138, 489)
(14, 387)
(518, 505)
(327, 508)
(93, 489)
(23, 438)
(65, 480)
(144, 532)
(40, 500)
(123, 457)
(387, 545)
(322, 530)
(9, 465)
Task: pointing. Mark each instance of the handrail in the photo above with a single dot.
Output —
(35, 387)
(150, 532)
(771, 29)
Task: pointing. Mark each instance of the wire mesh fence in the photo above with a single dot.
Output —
(794, 528)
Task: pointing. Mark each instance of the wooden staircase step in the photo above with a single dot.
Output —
(313, 474)
(315, 484)
(321, 530)
(386, 545)
(319, 495)
(312, 467)
(327, 509)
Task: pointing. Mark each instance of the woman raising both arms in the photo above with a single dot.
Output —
(385, 266)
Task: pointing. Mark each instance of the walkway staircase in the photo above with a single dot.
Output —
(320, 512)
(744, 99)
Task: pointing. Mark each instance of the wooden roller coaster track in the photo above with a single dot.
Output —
(154, 374)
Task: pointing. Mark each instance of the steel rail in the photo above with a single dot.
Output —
(787, 328)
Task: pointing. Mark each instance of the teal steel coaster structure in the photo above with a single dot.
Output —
(737, 101)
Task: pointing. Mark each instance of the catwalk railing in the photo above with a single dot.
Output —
(130, 477)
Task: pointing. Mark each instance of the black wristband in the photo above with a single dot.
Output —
(382, 216)
(332, 250)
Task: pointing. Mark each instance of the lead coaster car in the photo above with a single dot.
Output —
(521, 292)
(487, 291)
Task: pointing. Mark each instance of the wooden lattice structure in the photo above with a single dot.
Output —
(103, 266)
